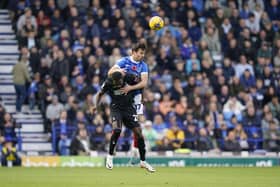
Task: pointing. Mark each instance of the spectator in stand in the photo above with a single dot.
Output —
(60, 66)
(98, 138)
(233, 106)
(268, 118)
(272, 137)
(251, 118)
(71, 107)
(212, 39)
(53, 111)
(274, 107)
(242, 66)
(150, 135)
(191, 137)
(159, 125)
(20, 77)
(9, 154)
(176, 136)
(181, 107)
(33, 91)
(193, 64)
(247, 80)
(88, 107)
(22, 19)
(9, 132)
(188, 48)
(90, 28)
(204, 142)
(46, 90)
(81, 144)
(165, 145)
(231, 144)
(64, 126)
(241, 136)
(166, 105)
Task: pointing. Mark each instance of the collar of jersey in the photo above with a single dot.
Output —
(135, 62)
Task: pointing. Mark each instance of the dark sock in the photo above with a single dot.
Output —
(113, 141)
(141, 147)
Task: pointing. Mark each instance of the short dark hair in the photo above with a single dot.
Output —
(116, 76)
(139, 45)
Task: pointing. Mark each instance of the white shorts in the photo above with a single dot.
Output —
(138, 104)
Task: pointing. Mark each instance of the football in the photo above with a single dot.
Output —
(156, 23)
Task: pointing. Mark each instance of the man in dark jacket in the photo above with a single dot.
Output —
(60, 66)
(81, 145)
(231, 144)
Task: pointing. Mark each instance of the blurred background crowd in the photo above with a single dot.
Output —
(214, 71)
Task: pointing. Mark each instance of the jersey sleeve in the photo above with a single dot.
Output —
(144, 69)
(121, 63)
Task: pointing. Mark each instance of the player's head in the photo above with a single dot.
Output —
(138, 51)
(117, 78)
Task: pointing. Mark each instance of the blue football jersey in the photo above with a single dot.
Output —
(135, 68)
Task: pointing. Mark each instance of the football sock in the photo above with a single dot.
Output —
(113, 141)
(135, 140)
(141, 147)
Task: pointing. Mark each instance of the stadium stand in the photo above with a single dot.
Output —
(214, 72)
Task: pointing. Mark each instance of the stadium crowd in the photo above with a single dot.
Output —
(214, 70)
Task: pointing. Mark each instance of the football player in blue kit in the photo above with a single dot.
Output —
(135, 65)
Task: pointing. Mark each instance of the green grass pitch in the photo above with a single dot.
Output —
(136, 177)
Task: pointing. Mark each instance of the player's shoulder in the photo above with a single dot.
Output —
(123, 59)
(144, 63)
(144, 66)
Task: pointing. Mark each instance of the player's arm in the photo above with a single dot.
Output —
(99, 95)
(141, 85)
(117, 67)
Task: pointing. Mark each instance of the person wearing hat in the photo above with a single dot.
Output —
(150, 134)
(9, 154)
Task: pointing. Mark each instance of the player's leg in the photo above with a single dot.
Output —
(131, 121)
(142, 149)
(116, 125)
(139, 111)
(141, 143)
(134, 152)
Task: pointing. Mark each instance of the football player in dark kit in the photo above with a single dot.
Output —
(122, 112)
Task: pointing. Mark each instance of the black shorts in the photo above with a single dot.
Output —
(126, 116)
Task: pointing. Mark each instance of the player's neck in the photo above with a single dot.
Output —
(132, 60)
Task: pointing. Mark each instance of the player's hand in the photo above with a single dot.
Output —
(125, 89)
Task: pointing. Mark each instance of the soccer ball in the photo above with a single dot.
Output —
(156, 23)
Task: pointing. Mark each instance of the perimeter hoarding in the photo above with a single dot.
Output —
(204, 162)
(84, 161)
(56, 161)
